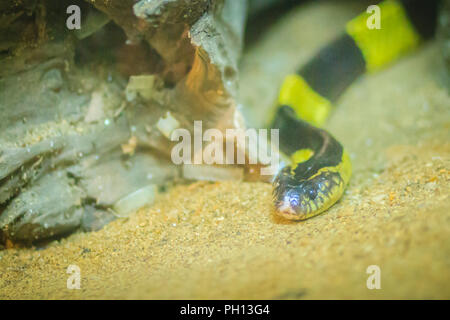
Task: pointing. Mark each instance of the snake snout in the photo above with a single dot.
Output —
(293, 204)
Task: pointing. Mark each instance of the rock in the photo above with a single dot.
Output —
(50, 207)
(75, 141)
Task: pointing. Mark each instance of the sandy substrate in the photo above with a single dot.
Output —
(221, 240)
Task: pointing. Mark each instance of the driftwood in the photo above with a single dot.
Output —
(78, 129)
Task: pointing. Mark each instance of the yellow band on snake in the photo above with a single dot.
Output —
(307, 103)
(395, 37)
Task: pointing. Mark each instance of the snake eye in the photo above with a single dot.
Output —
(312, 193)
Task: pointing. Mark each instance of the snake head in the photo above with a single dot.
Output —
(300, 200)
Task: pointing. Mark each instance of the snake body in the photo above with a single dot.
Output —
(321, 168)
